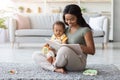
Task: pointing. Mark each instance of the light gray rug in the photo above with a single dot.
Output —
(33, 72)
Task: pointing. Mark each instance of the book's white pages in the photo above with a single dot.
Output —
(75, 47)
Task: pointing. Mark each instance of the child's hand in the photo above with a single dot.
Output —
(52, 49)
(46, 45)
(45, 48)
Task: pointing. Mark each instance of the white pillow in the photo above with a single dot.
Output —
(96, 23)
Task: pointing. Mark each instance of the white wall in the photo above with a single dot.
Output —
(48, 7)
(91, 7)
(116, 21)
(97, 7)
(100, 7)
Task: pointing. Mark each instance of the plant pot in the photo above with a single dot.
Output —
(3, 35)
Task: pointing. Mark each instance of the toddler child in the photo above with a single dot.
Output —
(59, 37)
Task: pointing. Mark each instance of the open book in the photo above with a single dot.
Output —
(75, 47)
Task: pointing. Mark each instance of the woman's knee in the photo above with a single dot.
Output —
(62, 55)
(63, 52)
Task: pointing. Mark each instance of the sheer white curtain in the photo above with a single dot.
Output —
(6, 8)
(5, 3)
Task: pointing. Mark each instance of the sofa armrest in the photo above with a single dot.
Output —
(106, 30)
(12, 28)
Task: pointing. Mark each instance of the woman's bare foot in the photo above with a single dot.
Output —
(60, 70)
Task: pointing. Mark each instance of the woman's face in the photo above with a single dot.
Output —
(71, 20)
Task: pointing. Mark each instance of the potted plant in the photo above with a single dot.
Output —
(2, 23)
(28, 10)
(21, 8)
(3, 30)
(83, 10)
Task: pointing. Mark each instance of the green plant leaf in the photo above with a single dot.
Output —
(2, 23)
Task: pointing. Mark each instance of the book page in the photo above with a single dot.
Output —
(54, 45)
(75, 47)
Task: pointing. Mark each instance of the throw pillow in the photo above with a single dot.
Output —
(22, 22)
(96, 23)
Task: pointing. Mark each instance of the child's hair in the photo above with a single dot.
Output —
(59, 23)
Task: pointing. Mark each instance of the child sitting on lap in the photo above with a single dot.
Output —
(59, 37)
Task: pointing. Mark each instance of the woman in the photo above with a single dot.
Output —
(78, 32)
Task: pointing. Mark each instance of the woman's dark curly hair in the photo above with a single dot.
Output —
(76, 11)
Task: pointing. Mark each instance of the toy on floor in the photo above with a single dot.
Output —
(12, 71)
(90, 72)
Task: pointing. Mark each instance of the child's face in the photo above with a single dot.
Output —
(58, 30)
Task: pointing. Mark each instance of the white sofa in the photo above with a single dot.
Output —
(41, 28)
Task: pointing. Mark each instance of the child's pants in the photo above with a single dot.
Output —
(40, 59)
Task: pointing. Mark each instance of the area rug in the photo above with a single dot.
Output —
(34, 72)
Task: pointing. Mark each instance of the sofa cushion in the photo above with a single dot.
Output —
(34, 32)
(96, 23)
(22, 22)
(98, 33)
(43, 21)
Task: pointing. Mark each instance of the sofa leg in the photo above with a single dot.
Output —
(12, 44)
(18, 45)
(104, 45)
